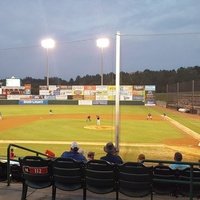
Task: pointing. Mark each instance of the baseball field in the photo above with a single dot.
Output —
(34, 127)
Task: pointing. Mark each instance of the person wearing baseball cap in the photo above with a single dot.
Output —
(74, 153)
(111, 155)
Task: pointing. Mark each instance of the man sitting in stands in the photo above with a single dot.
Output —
(178, 158)
(73, 153)
(111, 155)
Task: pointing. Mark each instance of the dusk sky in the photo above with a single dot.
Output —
(155, 35)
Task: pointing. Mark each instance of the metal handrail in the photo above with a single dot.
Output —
(8, 158)
(191, 164)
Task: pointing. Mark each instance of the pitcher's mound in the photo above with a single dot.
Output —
(95, 127)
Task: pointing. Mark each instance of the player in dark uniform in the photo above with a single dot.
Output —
(88, 118)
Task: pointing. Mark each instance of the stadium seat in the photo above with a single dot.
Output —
(36, 173)
(68, 175)
(164, 180)
(189, 177)
(135, 180)
(3, 171)
(100, 177)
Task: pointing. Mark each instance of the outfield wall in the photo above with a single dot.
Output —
(64, 102)
(84, 95)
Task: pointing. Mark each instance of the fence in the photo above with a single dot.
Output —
(182, 95)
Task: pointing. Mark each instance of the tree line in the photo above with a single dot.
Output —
(147, 77)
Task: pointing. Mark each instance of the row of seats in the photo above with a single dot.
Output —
(100, 177)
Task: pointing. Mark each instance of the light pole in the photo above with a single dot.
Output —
(102, 43)
(48, 44)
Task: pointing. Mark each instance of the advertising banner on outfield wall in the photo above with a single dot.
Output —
(3, 96)
(99, 102)
(89, 92)
(150, 95)
(77, 97)
(50, 97)
(89, 97)
(44, 92)
(65, 87)
(13, 97)
(25, 97)
(77, 90)
(84, 102)
(35, 102)
(43, 87)
(101, 97)
(66, 92)
(126, 93)
(61, 97)
(90, 87)
(138, 93)
(27, 89)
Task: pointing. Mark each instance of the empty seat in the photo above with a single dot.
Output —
(36, 173)
(68, 175)
(189, 182)
(135, 180)
(100, 177)
(164, 180)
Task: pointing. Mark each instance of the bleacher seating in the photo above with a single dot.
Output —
(67, 175)
(135, 180)
(100, 177)
(36, 173)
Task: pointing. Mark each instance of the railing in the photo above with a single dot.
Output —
(8, 158)
(191, 164)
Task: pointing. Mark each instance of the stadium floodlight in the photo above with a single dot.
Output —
(102, 43)
(48, 44)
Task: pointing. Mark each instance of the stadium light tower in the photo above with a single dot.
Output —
(102, 43)
(48, 44)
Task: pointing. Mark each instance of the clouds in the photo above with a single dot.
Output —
(25, 23)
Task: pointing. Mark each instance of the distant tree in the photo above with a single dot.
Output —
(147, 77)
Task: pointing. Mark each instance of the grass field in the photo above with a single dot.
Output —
(157, 138)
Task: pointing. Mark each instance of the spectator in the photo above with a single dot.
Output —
(178, 158)
(141, 158)
(111, 155)
(73, 153)
(90, 155)
(12, 154)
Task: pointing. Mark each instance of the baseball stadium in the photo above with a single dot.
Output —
(43, 124)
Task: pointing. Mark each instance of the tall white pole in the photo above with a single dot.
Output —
(47, 63)
(117, 85)
(101, 65)
(48, 44)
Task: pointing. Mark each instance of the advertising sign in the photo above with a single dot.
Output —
(38, 102)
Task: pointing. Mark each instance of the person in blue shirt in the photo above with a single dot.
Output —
(111, 155)
(73, 153)
(178, 158)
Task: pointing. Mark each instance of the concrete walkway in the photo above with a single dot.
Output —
(13, 192)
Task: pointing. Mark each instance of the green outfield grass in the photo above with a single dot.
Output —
(132, 129)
